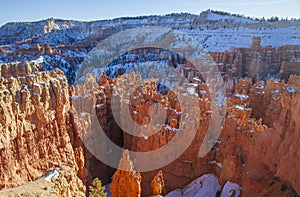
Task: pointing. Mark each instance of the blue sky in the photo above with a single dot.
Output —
(32, 10)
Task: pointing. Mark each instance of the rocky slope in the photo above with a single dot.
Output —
(66, 183)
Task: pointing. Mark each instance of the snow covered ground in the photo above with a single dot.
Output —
(222, 39)
(231, 188)
(207, 186)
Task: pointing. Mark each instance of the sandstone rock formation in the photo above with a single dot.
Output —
(36, 129)
(67, 58)
(157, 184)
(258, 62)
(242, 153)
(141, 100)
(80, 160)
(282, 138)
(87, 98)
(126, 182)
(68, 184)
(248, 152)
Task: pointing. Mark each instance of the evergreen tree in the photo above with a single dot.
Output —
(96, 189)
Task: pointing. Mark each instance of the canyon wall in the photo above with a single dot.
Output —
(248, 152)
(37, 130)
(40, 129)
(258, 62)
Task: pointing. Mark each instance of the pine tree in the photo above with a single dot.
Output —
(96, 189)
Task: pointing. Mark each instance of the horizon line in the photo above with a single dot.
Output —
(146, 15)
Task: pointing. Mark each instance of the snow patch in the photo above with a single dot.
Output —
(206, 185)
(39, 60)
(231, 188)
(145, 136)
(215, 162)
(241, 96)
(100, 105)
(51, 173)
(291, 89)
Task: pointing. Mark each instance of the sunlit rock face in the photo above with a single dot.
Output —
(36, 129)
(237, 154)
(242, 154)
(259, 62)
(126, 182)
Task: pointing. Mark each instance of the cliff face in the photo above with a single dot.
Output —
(277, 147)
(66, 58)
(87, 98)
(258, 62)
(185, 168)
(253, 110)
(36, 130)
(257, 148)
(248, 152)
